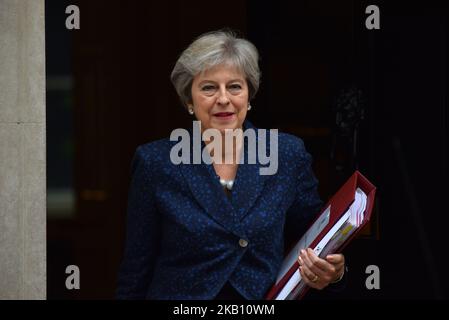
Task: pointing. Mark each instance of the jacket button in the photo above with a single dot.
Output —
(243, 243)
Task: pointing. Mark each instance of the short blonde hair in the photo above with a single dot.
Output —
(211, 49)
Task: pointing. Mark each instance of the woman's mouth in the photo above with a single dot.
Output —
(224, 115)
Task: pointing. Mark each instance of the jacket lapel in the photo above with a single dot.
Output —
(207, 190)
(248, 184)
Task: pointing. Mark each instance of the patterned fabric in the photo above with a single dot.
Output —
(186, 238)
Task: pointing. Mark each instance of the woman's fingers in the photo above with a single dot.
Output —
(311, 279)
(306, 278)
(326, 270)
(317, 266)
(336, 259)
(309, 273)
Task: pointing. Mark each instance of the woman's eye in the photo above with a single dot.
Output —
(235, 87)
(208, 88)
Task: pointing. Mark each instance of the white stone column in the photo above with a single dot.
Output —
(22, 150)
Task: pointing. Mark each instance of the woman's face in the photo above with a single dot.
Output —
(220, 98)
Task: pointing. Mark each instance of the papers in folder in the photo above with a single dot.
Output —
(342, 218)
(338, 234)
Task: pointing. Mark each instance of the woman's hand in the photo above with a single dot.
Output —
(319, 273)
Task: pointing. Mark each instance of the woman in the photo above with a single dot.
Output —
(218, 231)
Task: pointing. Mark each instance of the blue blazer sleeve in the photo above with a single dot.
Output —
(305, 207)
(142, 238)
(307, 202)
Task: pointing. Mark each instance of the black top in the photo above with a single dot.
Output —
(229, 293)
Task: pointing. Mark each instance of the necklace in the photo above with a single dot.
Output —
(227, 183)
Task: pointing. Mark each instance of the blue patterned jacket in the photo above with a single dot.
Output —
(186, 238)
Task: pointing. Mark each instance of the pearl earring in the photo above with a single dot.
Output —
(191, 111)
(249, 106)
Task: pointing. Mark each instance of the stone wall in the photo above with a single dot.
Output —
(22, 150)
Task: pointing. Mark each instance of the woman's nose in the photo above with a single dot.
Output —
(223, 97)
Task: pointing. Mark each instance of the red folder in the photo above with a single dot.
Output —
(339, 203)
